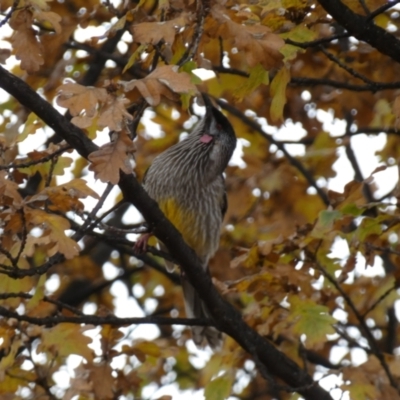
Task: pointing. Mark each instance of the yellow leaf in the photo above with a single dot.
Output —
(136, 54)
(258, 76)
(219, 388)
(55, 227)
(32, 124)
(148, 348)
(65, 339)
(278, 94)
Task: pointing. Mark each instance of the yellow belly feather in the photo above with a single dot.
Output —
(186, 222)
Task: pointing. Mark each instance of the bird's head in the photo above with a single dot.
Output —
(216, 131)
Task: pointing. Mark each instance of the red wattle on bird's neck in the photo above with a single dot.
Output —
(206, 138)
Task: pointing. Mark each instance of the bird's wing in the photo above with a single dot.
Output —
(224, 204)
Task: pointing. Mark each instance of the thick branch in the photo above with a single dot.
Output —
(363, 28)
(225, 316)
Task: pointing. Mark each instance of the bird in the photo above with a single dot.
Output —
(187, 182)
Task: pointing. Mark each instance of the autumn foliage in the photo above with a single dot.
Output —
(307, 277)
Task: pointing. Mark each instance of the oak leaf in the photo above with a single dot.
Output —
(258, 42)
(65, 339)
(100, 375)
(54, 226)
(111, 158)
(161, 82)
(114, 114)
(65, 197)
(26, 46)
(78, 98)
(51, 17)
(310, 319)
(9, 191)
(154, 32)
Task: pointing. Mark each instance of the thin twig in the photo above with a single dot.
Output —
(382, 9)
(108, 320)
(317, 42)
(35, 162)
(88, 224)
(381, 298)
(305, 81)
(10, 13)
(354, 163)
(365, 7)
(342, 65)
(49, 177)
(198, 32)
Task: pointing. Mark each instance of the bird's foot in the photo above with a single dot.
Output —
(140, 246)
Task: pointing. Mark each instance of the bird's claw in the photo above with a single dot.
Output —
(140, 246)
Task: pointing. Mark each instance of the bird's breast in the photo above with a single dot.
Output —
(199, 226)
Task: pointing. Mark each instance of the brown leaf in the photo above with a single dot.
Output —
(49, 16)
(66, 339)
(55, 227)
(26, 46)
(9, 191)
(4, 54)
(111, 158)
(100, 375)
(160, 82)
(257, 41)
(77, 98)
(114, 114)
(154, 32)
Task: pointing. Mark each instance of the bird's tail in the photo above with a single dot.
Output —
(195, 308)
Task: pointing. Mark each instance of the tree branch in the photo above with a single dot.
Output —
(363, 28)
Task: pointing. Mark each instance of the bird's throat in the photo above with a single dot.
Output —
(206, 138)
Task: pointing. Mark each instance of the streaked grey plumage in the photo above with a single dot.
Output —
(187, 182)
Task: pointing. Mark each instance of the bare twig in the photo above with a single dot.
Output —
(42, 160)
(10, 13)
(108, 320)
(192, 48)
(342, 65)
(382, 9)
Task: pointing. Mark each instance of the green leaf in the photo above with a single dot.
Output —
(258, 76)
(219, 388)
(362, 391)
(324, 225)
(189, 67)
(278, 93)
(310, 319)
